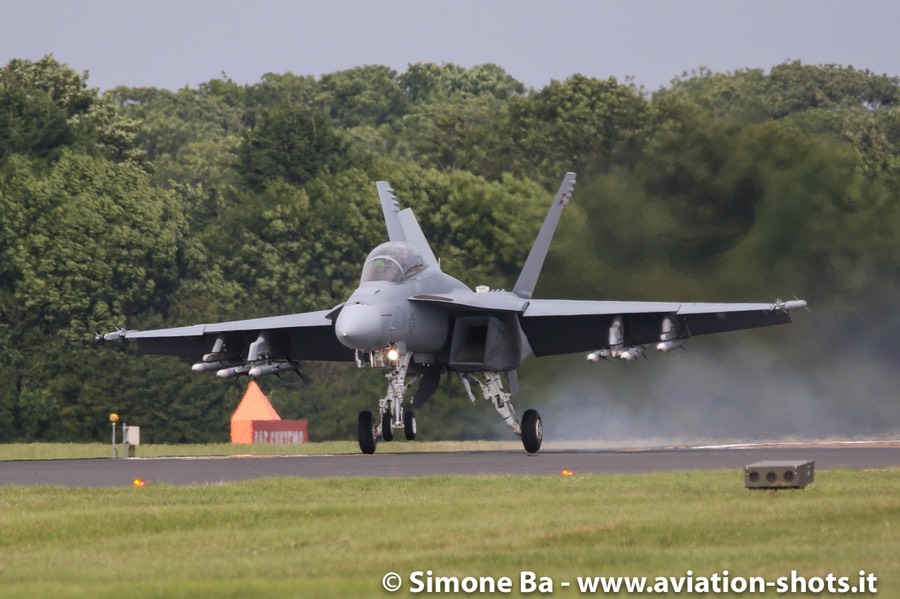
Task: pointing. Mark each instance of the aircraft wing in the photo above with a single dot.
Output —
(567, 326)
(304, 336)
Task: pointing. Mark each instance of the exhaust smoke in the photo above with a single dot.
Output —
(722, 393)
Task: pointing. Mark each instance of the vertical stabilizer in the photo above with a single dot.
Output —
(391, 208)
(528, 277)
(415, 237)
(402, 224)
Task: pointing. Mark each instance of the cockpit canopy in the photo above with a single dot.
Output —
(393, 261)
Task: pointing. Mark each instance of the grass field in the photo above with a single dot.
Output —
(62, 451)
(338, 537)
(67, 451)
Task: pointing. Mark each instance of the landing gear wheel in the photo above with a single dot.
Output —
(409, 425)
(366, 432)
(532, 431)
(387, 433)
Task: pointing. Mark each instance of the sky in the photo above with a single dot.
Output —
(176, 43)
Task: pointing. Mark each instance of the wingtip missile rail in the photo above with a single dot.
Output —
(112, 336)
(794, 304)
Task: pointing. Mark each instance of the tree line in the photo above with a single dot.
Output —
(149, 208)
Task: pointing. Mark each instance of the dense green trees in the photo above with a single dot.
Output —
(147, 207)
(88, 240)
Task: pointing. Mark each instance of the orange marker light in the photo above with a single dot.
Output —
(139, 482)
(567, 473)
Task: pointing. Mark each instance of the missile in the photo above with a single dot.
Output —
(227, 373)
(665, 346)
(632, 353)
(264, 369)
(618, 351)
(601, 354)
(623, 353)
(210, 366)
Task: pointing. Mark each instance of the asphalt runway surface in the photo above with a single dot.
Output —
(212, 470)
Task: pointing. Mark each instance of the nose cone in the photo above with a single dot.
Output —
(358, 326)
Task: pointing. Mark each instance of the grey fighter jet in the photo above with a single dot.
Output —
(413, 321)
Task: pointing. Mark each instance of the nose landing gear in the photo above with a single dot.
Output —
(393, 416)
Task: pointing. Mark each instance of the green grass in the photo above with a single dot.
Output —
(337, 537)
(66, 451)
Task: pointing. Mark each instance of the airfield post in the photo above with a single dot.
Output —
(114, 418)
(131, 438)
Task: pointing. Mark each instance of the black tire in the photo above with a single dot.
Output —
(532, 431)
(387, 433)
(409, 425)
(366, 433)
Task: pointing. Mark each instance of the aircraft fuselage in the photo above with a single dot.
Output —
(380, 314)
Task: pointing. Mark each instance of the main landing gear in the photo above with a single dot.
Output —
(392, 417)
(530, 429)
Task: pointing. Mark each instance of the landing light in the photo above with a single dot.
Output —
(393, 354)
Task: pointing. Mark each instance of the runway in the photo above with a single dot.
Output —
(212, 470)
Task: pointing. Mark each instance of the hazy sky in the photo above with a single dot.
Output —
(173, 43)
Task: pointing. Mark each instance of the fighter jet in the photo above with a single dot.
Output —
(417, 323)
